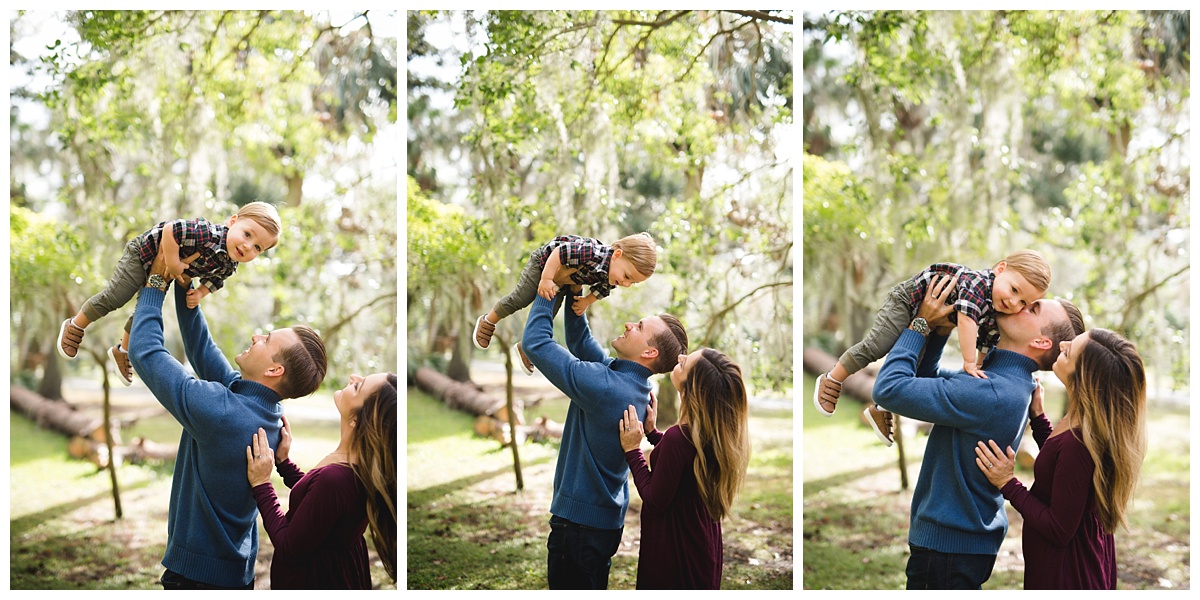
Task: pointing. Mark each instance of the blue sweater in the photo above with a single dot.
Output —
(212, 530)
(954, 507)
(591, 484)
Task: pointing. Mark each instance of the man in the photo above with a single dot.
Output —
(957, 520)
(212, 529)
(591, 489)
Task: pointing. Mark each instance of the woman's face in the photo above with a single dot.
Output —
(349, 399)
(680, 372)
(1068, 358)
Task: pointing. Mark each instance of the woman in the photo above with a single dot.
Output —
(685, 492)
(1087, 467)
(319, 542)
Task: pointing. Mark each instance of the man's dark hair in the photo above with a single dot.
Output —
(1061, 331)
(304, 364)
(670, 344)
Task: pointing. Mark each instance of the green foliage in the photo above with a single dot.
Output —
(976, 133)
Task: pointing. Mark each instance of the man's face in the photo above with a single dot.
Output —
(259, 357)
(1027, 325)
(636, 337)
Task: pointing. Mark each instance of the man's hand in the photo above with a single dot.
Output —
(933, 307)
(160, 266)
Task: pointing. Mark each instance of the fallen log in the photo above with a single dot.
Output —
(466, 397)
(55, 415)
(542, 430)
(858, 385)
(141, 451)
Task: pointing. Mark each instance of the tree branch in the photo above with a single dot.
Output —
(720, 315)
(328, 332)
(760, 15)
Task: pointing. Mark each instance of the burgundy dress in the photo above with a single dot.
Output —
(681, 544)
(319, 543)
(1064, 543)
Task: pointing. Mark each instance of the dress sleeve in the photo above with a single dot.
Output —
(658, 487)
(1041, 429)
(306, 525)
(1059, 520)
(290, 472)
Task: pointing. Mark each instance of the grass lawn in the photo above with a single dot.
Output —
(469, 527)
(856, 514)
(62, 530)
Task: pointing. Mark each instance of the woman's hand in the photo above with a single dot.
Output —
(1036, 407)
(285, 441)
(631, 430)
(995, 464)
(651, 414)
(260, 461)
(933, 307)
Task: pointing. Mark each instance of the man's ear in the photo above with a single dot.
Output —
(1041, 342)
(650, 352)
(275, 370)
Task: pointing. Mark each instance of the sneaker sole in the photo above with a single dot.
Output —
(62, 330)
(817, 398)
(117, 369)
(875, 427)
(475, 334)
(521, 363)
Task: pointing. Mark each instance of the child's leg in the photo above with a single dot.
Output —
(126, 281)
(522, 295)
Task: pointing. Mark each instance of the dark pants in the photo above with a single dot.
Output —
(171, 580)
(580, 556)
(932, 570)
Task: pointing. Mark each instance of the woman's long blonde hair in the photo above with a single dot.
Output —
(373, 444)
(715, 410)
(1108, 393)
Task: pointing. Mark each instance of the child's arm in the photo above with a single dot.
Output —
(170, 246)
(194, 296)
(968, 333)
(546, 287)
(581, 303)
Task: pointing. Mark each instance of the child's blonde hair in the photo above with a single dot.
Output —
(639, 250)
(264, 214)
(1030, 265)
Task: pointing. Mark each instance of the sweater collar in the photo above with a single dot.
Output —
(258, 392)
(628, 366)
(1007, 359)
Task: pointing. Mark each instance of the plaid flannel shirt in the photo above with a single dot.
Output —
(213, 265)
(972, 296)
(591, 257)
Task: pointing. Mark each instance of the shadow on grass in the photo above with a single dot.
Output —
(22, 525)
(418, 496)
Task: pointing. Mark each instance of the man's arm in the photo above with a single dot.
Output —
(580, 341)
(198, 344)
(162, 374)
(558, 365)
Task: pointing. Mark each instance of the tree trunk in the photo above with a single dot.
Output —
(54, 415)
(51, 385)
(512, 413)
(466, 397)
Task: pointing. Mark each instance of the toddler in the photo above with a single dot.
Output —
(1008, 287)
(218, 249)
(575, 261)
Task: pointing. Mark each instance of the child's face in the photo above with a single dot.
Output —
(247, 239)
(1011, 292)
(622, 272)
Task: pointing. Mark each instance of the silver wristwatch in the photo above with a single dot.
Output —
(920, 326)
(157, 282)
